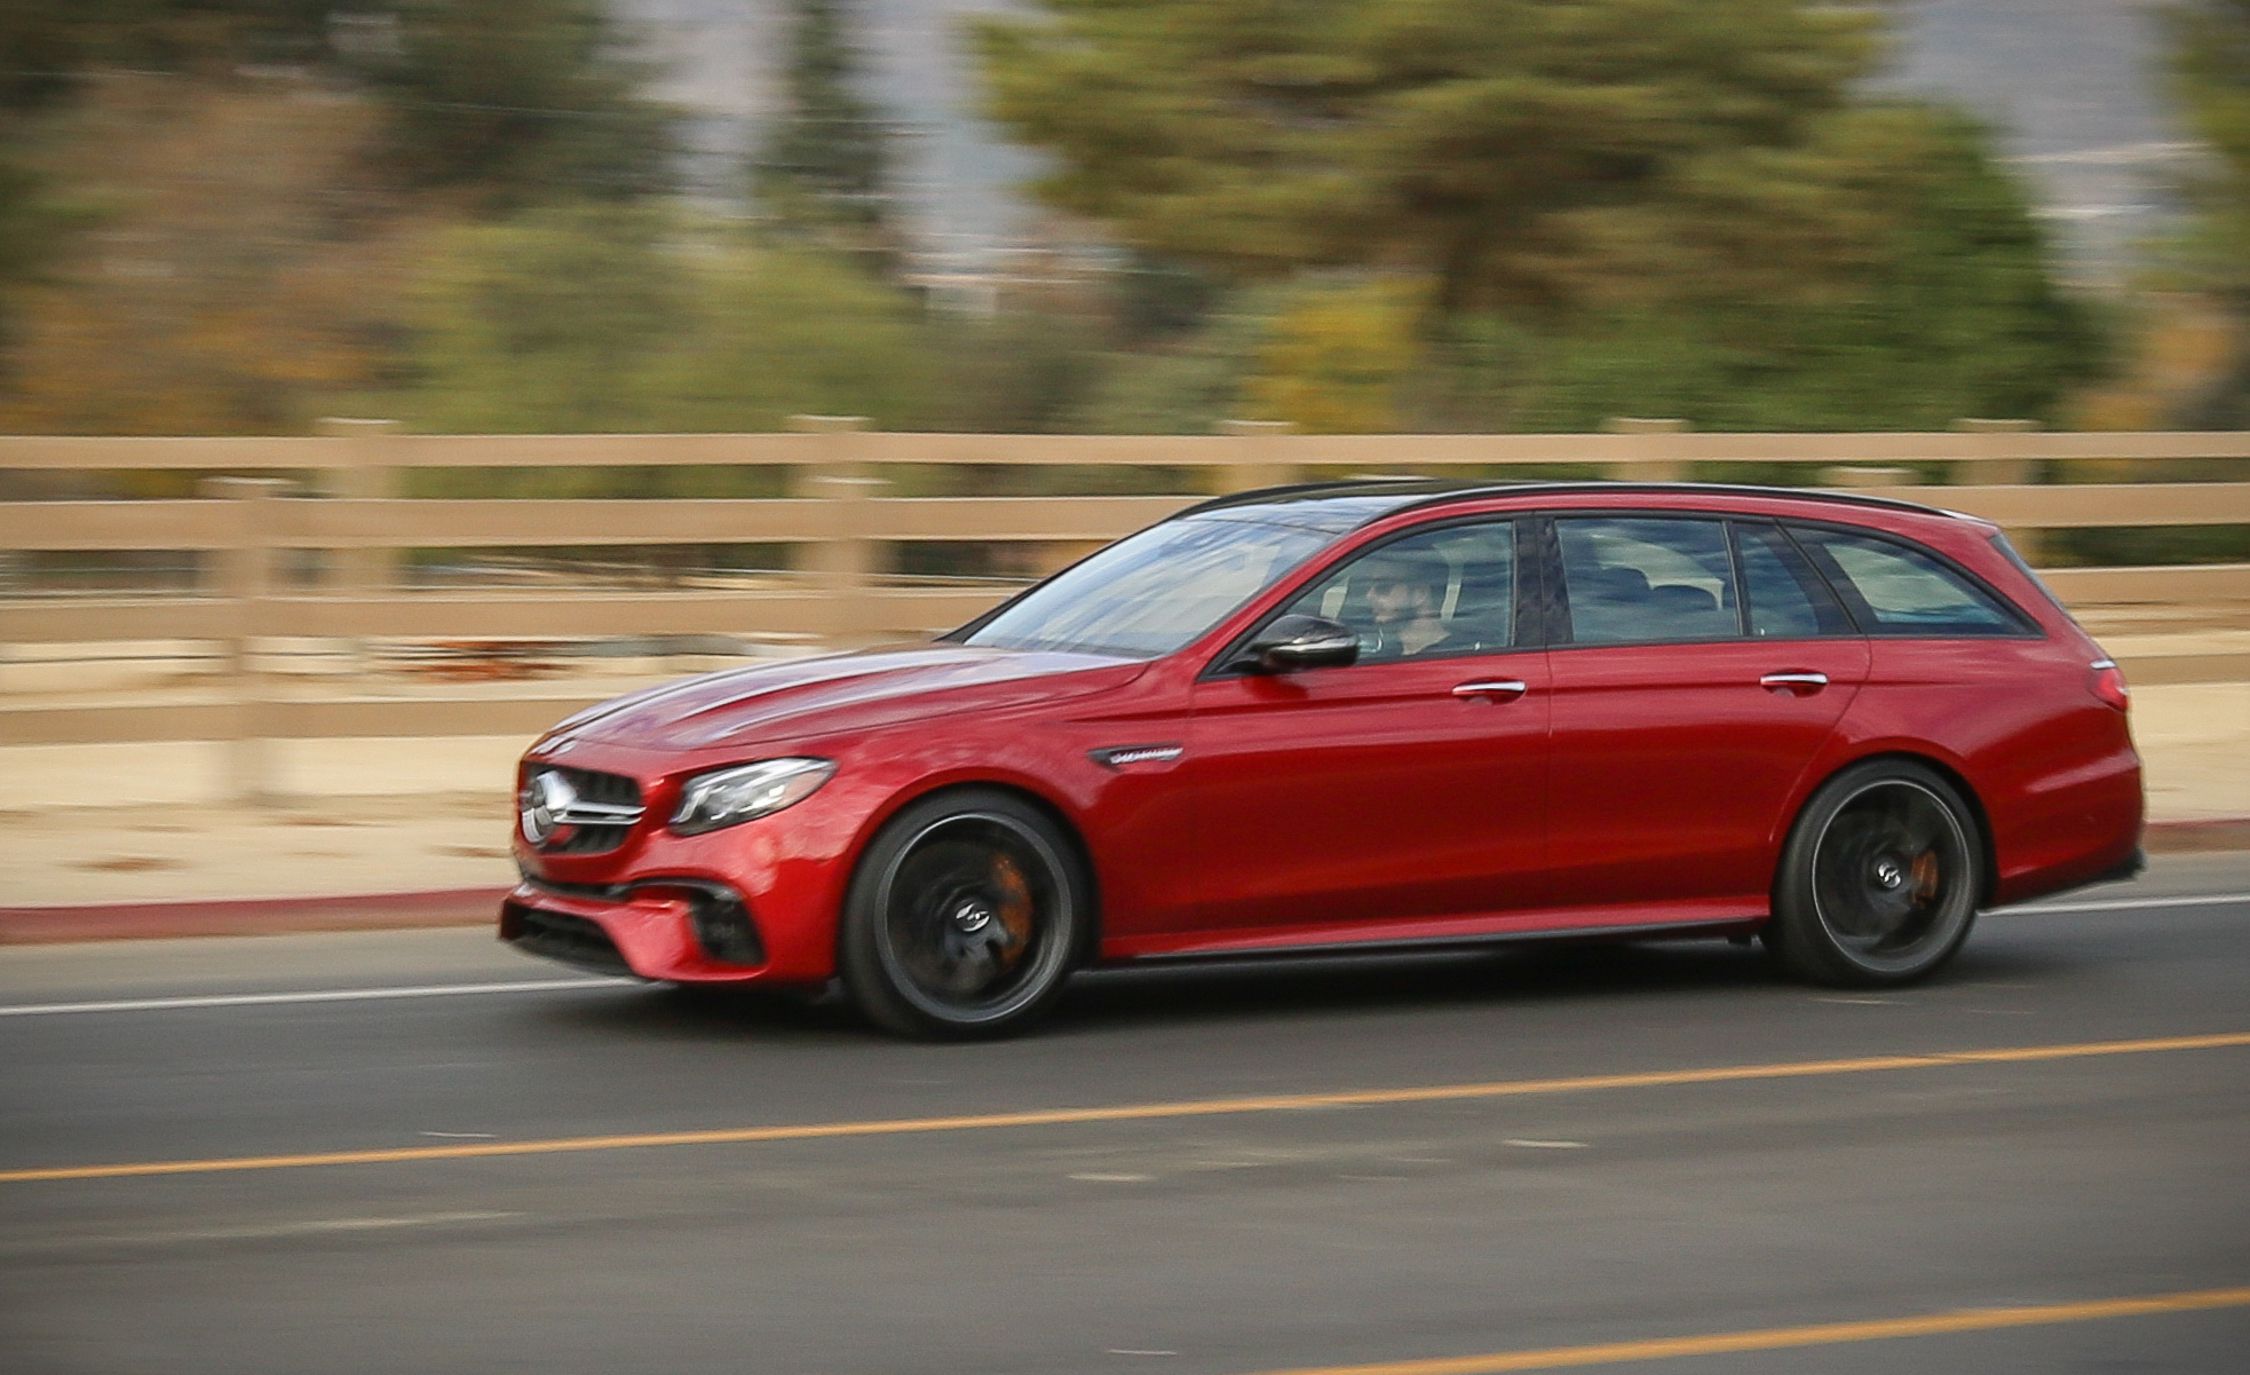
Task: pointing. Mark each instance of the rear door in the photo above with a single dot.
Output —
(1409, 786)
(1698, 664)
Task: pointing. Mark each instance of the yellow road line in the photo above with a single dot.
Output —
(1136, 1112)
(1780, 1338)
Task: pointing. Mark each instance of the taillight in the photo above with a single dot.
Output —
(2107, 681)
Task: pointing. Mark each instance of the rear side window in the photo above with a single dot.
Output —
(1633, 580)
(1786, 599)
(1900, 590)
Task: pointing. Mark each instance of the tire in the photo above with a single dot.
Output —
(1879, 881)
(964, 918)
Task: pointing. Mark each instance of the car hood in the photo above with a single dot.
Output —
(842, 692)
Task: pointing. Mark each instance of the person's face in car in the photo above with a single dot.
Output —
(1398, 601)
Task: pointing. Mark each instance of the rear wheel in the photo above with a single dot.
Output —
(1879, 881)
(964, 917)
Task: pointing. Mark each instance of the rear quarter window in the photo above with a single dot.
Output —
(1896, 589)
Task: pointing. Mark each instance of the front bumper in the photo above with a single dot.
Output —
(689, 930)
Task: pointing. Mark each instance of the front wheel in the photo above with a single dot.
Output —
(1879, 882)
(964, 917)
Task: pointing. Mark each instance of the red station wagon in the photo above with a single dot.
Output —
(1364, 715)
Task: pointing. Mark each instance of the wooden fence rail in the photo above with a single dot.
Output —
(347, 497)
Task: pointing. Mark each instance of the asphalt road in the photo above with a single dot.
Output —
(1663, 1152)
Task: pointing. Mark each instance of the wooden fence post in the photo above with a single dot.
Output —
(245, 568)
(2010, 470)
(842, 563)
(1266, 467)
(1654, 458)
(366, 474)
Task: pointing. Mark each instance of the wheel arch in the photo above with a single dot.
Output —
(1980, 818)
(1054, 811)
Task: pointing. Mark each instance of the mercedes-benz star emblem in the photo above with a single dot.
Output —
(546, 797)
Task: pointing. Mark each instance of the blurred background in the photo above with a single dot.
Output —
(826, 320)
(239, 216)
(383, 380)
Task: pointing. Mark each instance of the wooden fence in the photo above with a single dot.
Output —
(345, 495)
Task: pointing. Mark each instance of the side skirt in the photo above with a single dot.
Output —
(1695, 930)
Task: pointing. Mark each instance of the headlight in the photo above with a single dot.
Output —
(746, 792)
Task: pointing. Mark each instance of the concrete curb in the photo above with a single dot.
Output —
(249, 916)
(480, 906)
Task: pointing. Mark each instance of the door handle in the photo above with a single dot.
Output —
(1491, 690)
(1803, 684)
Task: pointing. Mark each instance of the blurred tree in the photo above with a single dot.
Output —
(1334, 360)
(1028, 370)
(52, 45)
(2210, 68)
(823, 170)
(227, 301)
(34, 226)
(616, 319)
(516, 102)
(1935, 301)
(1449, 138)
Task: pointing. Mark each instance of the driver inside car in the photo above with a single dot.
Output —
(1405, 606)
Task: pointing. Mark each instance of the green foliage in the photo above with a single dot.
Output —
(34, 226)
(1454, 139)
(519, 102)
(2210, 70)
(1029, 370)
(610, 319)
(1675, 207)
(1941, 308)
(824, 166)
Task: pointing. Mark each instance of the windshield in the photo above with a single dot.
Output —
(1153, 592)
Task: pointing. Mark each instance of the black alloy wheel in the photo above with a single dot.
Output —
(1880, 879)
(965, 917)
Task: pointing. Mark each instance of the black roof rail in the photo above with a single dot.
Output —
(1562, 488)
(1418, 493)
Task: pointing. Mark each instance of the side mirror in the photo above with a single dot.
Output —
(1298, 642)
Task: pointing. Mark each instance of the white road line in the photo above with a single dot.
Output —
(350, 995)
(326, 995)
(279, 1231)
(2120, 904)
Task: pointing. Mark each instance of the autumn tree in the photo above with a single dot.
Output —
(238, 270)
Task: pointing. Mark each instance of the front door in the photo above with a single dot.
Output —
(1398, 795)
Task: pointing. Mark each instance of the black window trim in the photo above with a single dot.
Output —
(1863, 615)
(1529, 613)
(1774, 526)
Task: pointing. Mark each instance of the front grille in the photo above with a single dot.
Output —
(600, 827)
(569, 940)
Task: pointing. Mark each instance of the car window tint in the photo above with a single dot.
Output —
(1630, 580)
(1906, 591)
(1441, 592)
(1787, 599)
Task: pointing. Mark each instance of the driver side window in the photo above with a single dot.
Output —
(1429, 595)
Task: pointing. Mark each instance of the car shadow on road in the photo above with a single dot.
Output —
(1111, 1000)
